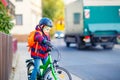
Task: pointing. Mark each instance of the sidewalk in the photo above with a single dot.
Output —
(19, 71)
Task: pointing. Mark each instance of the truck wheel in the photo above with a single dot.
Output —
(68, 44)
(108, 46)
(80, 46)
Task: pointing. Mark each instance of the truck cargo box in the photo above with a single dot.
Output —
(104, 29)
(74, 18)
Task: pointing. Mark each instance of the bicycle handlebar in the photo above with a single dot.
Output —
(59, 54)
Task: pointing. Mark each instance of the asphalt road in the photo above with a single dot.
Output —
(90, 64)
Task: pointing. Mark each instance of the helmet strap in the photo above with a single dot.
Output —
(41, 28)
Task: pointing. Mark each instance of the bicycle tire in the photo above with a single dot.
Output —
(60, 73)
(29, 70)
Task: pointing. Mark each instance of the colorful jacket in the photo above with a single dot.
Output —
(42, 47)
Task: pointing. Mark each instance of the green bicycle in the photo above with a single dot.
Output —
(51, 70)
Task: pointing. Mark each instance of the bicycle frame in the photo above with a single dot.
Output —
(48, 64)
(49, 67)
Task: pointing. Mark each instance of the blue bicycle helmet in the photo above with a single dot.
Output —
(46, 21)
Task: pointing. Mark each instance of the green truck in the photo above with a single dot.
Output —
(90, 23)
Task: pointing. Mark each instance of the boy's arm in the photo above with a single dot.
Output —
(39, 38)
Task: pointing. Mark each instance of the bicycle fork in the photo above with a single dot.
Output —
(54, 72)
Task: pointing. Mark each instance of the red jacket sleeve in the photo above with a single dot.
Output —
(38, 37)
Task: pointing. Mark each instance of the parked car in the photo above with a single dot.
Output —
(59, 34)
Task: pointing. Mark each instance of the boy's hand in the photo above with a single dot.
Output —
(49, 49)
(49, 44)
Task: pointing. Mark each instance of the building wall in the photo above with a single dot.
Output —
(31, 11)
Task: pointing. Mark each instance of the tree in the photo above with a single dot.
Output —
(60, 10)
(53, 9)
(5, 20)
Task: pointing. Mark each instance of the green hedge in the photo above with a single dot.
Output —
(5, 20)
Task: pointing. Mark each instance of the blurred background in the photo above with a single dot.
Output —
(87, 33)
(25, 15)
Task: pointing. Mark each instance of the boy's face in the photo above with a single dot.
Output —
(46, 29)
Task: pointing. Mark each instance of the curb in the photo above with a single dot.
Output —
(14, 65)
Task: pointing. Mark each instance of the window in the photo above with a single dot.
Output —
(19, 19)
(76, 18)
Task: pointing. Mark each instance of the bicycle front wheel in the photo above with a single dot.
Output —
(62, 74)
